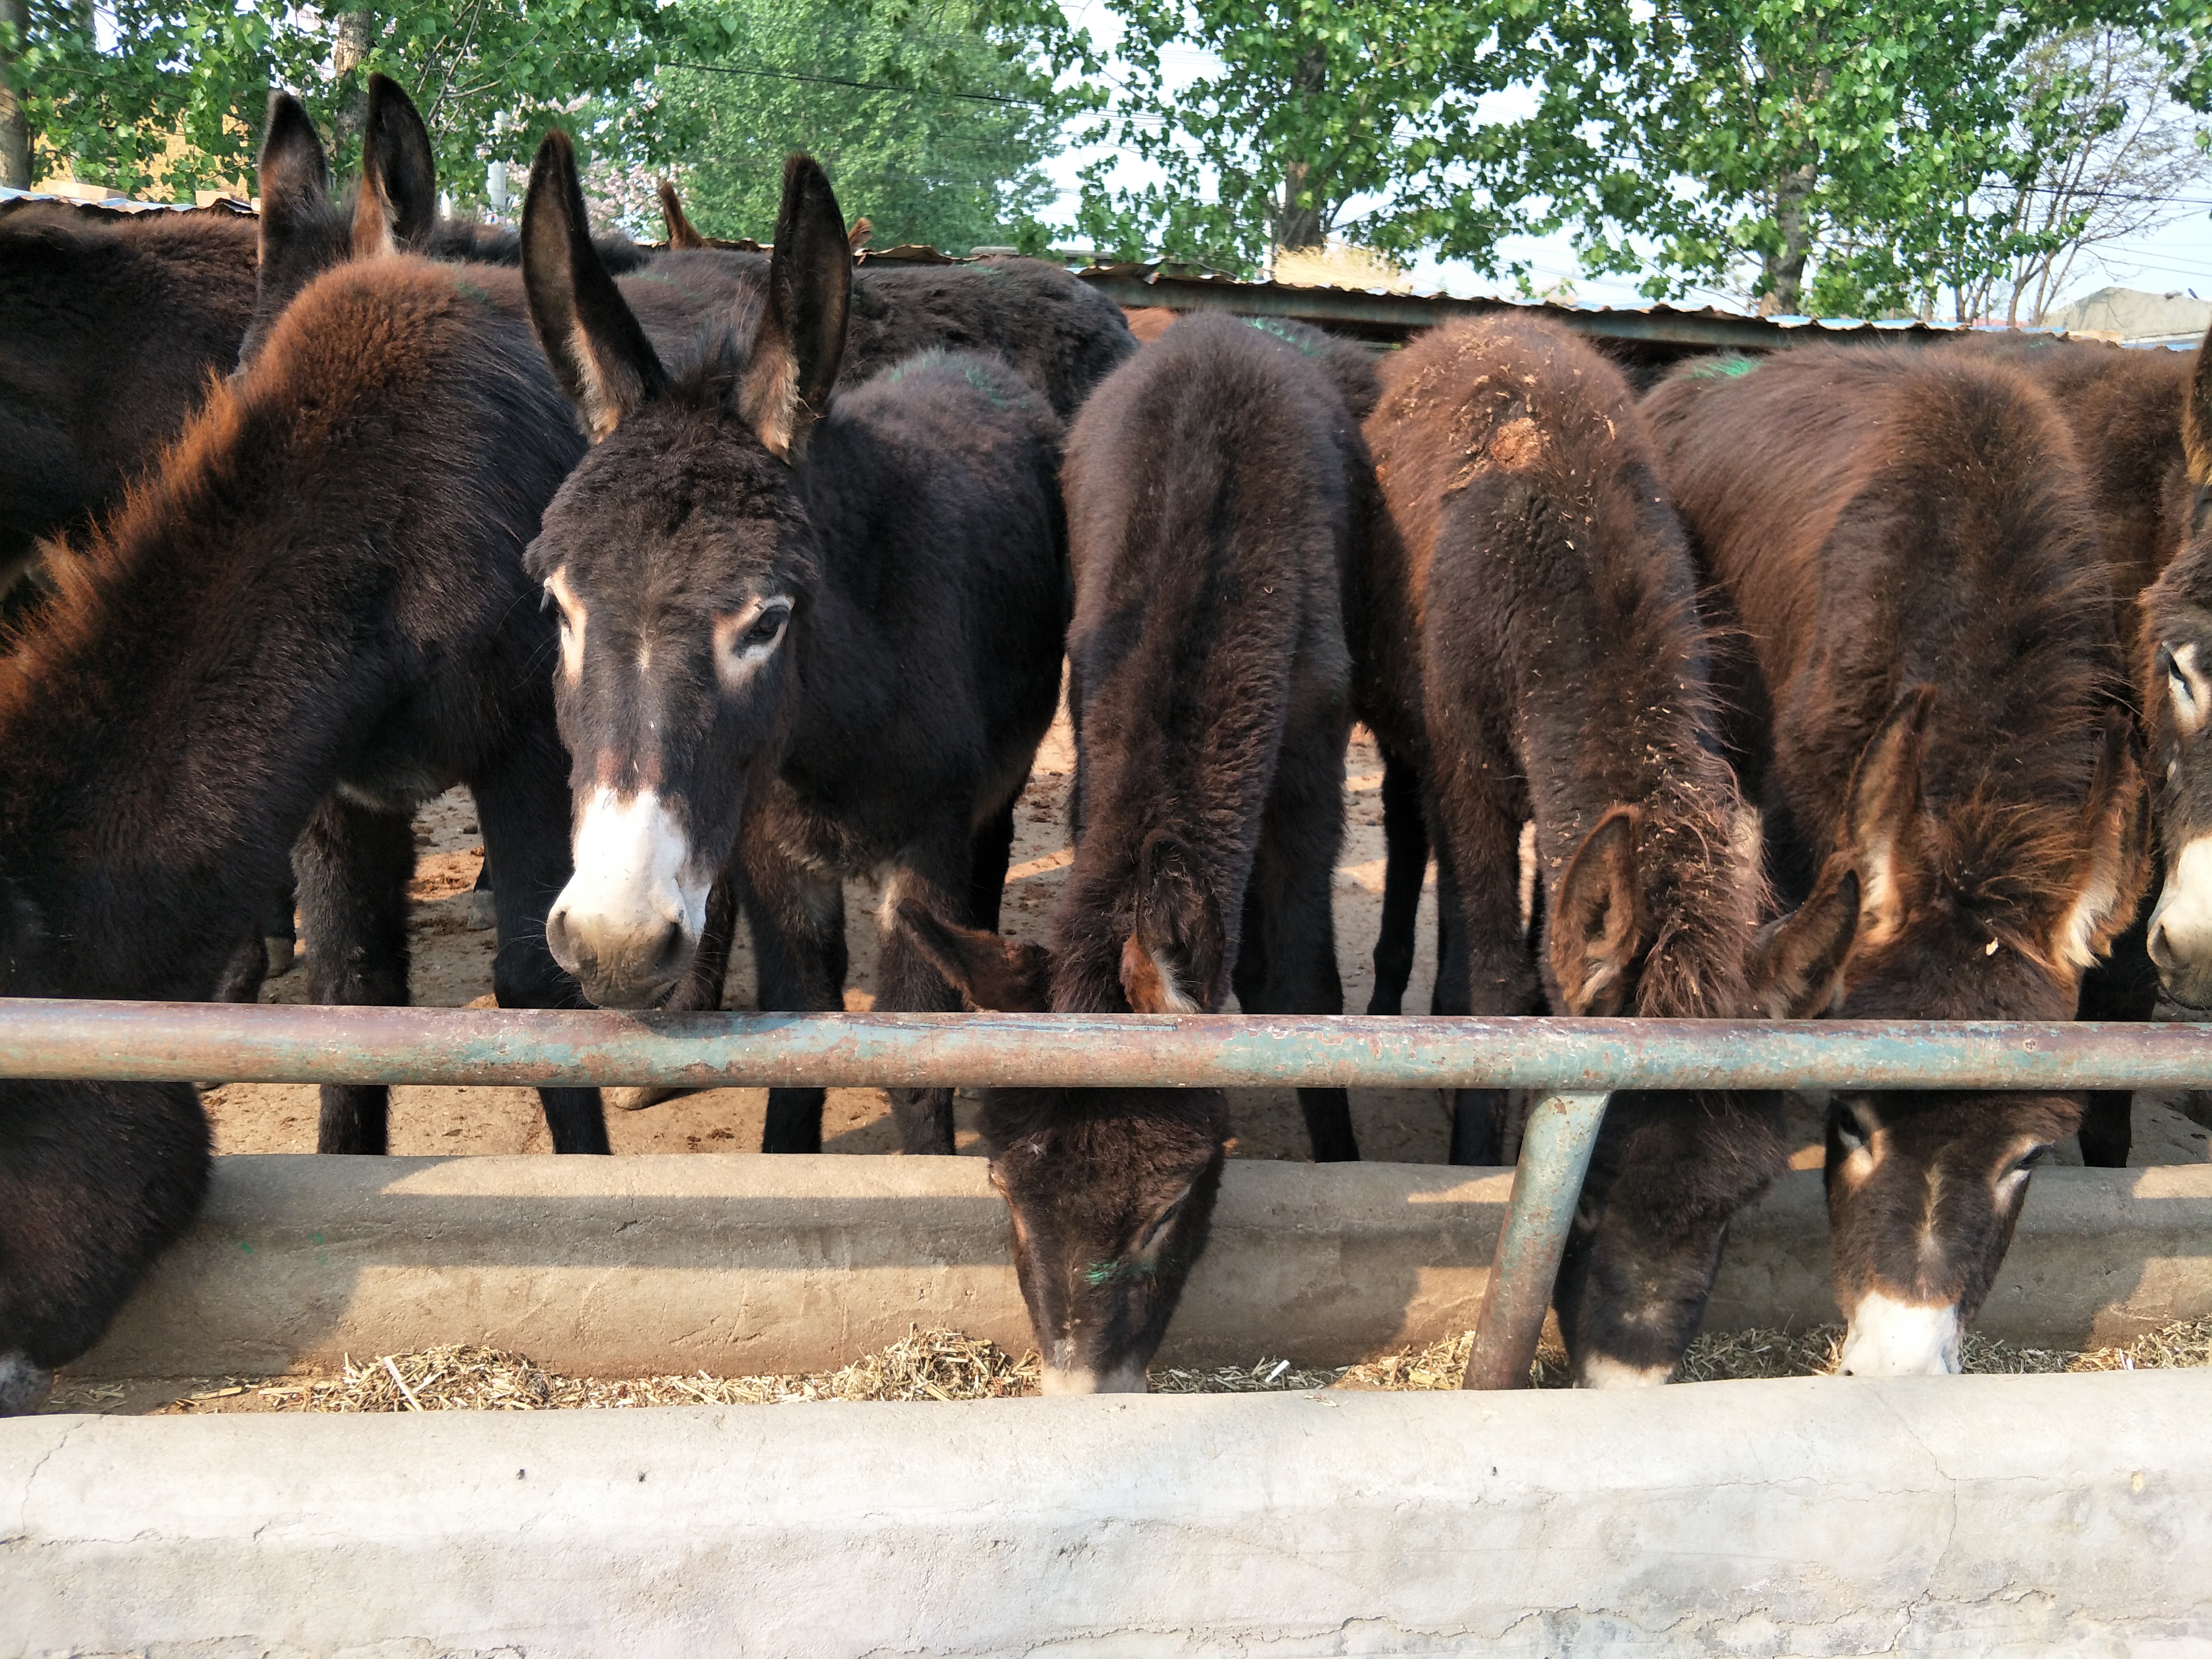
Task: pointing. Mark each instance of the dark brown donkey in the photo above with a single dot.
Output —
(1557, 665)
(1059, 334)
(1949, 770)
(1214, 505)
(2174, 671)
(834, 624)
(2126, 410)
(110, 326)
(311, 617)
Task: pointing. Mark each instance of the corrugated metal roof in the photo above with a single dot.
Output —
(1375, 312)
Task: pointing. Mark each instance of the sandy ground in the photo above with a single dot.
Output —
(452, 968)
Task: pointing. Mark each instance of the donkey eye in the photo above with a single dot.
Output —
(768, 627)
(2029, 1159)
(1850, 1130)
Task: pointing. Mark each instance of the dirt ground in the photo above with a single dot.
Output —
(452, 968)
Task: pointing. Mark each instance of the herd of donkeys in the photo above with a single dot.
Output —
(1858, 680)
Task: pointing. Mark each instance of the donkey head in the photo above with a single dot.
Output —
(304, 233)
(1111, 1191)
(682, 558)
(1924, 1188)
(2176, 641)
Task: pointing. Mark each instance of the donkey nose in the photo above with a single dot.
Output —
(619, 964)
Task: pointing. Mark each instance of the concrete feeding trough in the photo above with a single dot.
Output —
(1815, 1516)
(739, 1265)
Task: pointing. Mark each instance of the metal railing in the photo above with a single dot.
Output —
(1577, 1062)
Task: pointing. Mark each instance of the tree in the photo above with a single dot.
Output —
(173, 102)
(1325, 117)
(932, 117)
(2106, 155)
(1883, 149)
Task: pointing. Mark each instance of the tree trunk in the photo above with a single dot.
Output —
(356, 32)
(1297, 225)
(15, 120)
(1783, 272)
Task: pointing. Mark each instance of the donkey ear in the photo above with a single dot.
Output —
(682, 233)
(293, 173)
(1177, 951)
(996, 974)
(1882, 813)
(2109, 875)
(301, 237)
(1598, 929)
(1798, 964)
(398, 200)
(598, 353)
(802, 334)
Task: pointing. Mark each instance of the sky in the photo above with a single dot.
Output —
(2175, 257)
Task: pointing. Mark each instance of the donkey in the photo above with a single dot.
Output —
(822, 633)
(393, 208)
(1558, 666)
(1214, 511)
(1057, 332)
(311, 617)
(2126, 410)
(2173, 658)
(1948, 768)
(110, 324)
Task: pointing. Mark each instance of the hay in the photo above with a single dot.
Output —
(943, 1364)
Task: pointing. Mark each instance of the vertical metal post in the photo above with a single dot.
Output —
(1548, 1183)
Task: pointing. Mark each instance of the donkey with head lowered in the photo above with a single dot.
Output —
(802, 635)
(1543, 662)
(1940, 737)
(1215, 507)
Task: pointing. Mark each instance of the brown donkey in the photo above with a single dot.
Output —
(1946, 760)
(2174, 672)
(1215, 504)
(311, 617)
(2126, 410)
(1557, 665)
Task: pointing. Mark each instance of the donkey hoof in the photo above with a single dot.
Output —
(280, 956)
(636, 1100)
(483, 910)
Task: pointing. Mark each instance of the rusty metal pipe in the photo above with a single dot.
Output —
(1548, 1183)
(154, 1041)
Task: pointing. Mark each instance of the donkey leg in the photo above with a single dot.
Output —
(907, 983)
(798, 918)
(524, 809)
(353, 864)
(1491, 970)
(1292, 877)
(1406, 866)
(994, 852)
(2125, 986)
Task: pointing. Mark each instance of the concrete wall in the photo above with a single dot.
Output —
(615, 1266)
(1976, 1515)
